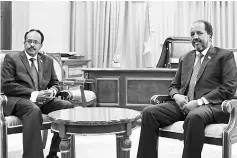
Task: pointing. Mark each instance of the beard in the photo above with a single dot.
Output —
(199, 45)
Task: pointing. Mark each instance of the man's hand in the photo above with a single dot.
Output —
(44, 96)
(181, 100)
(190, 106)
(41, 97)
(49, 95)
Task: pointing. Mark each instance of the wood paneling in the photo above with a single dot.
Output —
(108, 90)
(6, 25)
(129, 88)
(140, 90)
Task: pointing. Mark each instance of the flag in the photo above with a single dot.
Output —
(147, 34)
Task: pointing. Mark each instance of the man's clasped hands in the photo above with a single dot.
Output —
(184, 104)
(45, 96)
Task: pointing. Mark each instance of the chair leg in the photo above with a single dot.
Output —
(93, 104)
(157, 146)
(3, 144)
(226, 147)
(3, 135)
(44, 137)
(73, 151)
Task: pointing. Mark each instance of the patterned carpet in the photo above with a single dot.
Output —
(103, 146)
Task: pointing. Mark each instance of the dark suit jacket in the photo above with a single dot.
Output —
(216, 80)
(17, 81)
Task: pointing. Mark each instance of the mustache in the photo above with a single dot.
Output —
(31, 48)
(196, 40)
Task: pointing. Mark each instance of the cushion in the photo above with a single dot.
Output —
(90, 95)
(212, 130)
(13, 121)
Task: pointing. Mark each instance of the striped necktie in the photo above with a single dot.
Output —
(193, 80)
(34, 73)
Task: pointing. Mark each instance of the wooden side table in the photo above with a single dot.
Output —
(94, 120)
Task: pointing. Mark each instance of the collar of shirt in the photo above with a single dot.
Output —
(204, 52)
(35, 62)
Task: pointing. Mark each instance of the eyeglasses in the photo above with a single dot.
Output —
(29, 41)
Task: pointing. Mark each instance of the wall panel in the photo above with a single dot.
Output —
(129, 88)
(6, 24)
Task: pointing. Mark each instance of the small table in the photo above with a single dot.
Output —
(94, 120)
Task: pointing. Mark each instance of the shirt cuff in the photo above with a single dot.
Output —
(54, 91)
(172, 96)
(34, 95)
(205, 101)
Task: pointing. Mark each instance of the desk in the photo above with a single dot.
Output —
(129, 88)
(94, 120)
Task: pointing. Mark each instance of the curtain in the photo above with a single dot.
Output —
(130, 34)
(173, 18)
(110, 34)
(91, 32)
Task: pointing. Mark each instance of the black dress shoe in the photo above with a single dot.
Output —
(52, 156)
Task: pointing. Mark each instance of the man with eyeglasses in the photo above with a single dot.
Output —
(30, 83)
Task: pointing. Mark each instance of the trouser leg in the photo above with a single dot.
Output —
(31, 117)
(194, 126)
(55, 104)
(154, 117)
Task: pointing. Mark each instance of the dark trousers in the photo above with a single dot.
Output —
(158, 116)
(31, 116)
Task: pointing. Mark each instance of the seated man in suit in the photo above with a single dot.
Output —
(30, 83)
(205, 78)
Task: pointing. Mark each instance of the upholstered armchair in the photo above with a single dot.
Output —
(73, 89)
(79, 96)
(217, 134)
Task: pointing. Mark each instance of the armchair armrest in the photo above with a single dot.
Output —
(3, 126)
(72, 94)
(75, 82)
(157, 99)
(89, 81)
(229, 105)
(79, 80)
(68, 94)
(230, 132)
(3, 100)
(72, 82)
(65, 95)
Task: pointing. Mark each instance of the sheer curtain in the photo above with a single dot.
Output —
(173, 18)
(132, 32)
(108, 32)
(91, 35)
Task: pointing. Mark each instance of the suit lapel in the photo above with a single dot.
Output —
(190, 64)
(40, 68)
(26, 63)
(208, 57)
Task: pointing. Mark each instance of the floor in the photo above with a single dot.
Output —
(103, 146)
